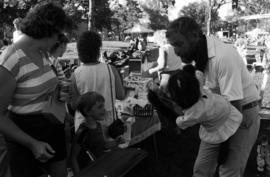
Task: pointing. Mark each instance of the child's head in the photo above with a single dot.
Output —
(88, 46)
(184, 87)
(160, 37)
(91, 104)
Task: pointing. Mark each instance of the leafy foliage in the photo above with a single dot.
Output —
(160, 6)
(125, 17)
(77, 9)
(198, 11)
(157, 11)
(255, 6)
(157, 20)
(101, 13)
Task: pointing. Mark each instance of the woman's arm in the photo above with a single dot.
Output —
(162, 60)
(42, 151)
(119, 88)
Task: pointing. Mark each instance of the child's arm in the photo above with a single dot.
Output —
(75, 150)
(195, 115)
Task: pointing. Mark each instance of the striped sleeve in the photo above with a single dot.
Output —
(10, 60)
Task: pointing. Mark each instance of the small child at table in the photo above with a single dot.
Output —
(89, 137)
(89, 143)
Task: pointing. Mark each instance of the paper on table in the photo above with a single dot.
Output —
(133, 101)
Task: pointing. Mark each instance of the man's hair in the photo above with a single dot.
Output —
(62, 39)
(183, 25)
(45, 20)
(88, 46)
(184, 87)
(86, 101)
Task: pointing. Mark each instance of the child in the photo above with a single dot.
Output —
(89, 144)
(89, 136)
(219, 120)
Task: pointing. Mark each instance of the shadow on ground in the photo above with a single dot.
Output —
(177, 153)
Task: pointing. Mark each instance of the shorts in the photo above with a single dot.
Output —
(43, 128)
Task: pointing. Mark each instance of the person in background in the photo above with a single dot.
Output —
(142, 42)
(225, 74)
(92, 75)
(168, 62)
(240, 45)
(34, 135)
(17, 33)
(57, 51)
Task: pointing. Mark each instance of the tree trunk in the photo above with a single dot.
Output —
(208, 28)
(90, 15)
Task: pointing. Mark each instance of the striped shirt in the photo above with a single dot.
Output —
(34, 84)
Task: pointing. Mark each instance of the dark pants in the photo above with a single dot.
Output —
(43, 128)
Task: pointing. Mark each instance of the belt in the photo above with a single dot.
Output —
(250, 105)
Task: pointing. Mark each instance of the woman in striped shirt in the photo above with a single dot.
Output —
(34, 137)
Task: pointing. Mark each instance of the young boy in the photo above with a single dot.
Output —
(89, 140)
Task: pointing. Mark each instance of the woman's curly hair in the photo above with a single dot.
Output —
(45, 20)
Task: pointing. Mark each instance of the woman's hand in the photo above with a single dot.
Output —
(42, 151)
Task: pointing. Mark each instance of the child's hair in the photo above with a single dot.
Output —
(160, 37)
(184, 87)
(88, 46)
(86, 101)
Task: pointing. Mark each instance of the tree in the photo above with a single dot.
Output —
(99, 16)
(157, 11)
(125, 16)
(156, 20)
(213, 7)
(198, 11)
(255, 6)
